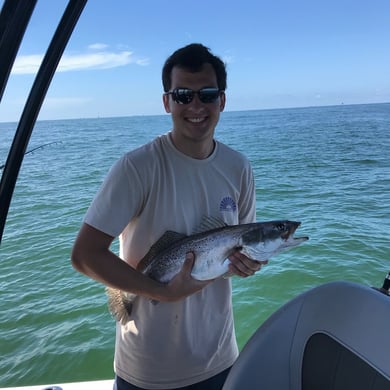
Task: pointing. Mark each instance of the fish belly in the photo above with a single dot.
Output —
(210, 265)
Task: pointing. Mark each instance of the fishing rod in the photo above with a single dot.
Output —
(37, 148)
(35, 99)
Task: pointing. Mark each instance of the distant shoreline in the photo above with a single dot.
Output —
(225, 112)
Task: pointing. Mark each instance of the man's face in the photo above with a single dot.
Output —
(195, 121)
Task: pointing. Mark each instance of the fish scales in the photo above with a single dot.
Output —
(206, 248)
(258, 240)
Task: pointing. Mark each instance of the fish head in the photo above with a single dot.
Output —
(271, 230)
(267, 239)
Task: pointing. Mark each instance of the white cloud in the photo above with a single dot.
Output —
(98, 46)
(142, 61)
(99, 60)
(29, 64)
(228, 59)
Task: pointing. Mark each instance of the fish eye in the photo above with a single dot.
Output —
(281, 227)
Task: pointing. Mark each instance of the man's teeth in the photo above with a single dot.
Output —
(195, 120)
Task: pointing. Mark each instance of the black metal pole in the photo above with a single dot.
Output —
(386, 285)
(385, 289)
(14, 18)
(34, 103)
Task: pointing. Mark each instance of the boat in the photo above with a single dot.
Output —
(333, 336)
(95, 385)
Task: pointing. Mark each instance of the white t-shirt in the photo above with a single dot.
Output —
(148, 191)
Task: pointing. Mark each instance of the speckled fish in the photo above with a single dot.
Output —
(259, 240)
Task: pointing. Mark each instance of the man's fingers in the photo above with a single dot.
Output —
(188, 262)
(243, 266)
(190, 256)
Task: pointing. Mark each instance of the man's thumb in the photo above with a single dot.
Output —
(189, 261)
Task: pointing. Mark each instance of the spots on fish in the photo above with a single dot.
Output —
(259, 240)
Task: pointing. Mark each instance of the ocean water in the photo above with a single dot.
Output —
(328, 167)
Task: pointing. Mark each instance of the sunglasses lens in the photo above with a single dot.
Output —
(208, 95)
(183, 95)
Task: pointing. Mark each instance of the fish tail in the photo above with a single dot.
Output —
(120, 304)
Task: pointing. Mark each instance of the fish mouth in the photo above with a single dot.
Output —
(289, 233)
(295, 241)
(288, 236)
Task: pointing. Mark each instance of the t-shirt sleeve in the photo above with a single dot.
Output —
(118, 200)
(247, 211)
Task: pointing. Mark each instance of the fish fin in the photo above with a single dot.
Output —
(165, 241)
(209, 223)
(120, 304)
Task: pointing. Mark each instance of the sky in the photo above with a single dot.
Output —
(278, 53)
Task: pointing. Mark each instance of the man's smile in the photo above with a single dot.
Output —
(197, 119)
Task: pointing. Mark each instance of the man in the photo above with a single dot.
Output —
(172, 183)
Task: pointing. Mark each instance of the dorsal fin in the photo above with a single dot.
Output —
(209, 223)
(164, 242)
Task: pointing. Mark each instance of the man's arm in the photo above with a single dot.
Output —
(91, 256)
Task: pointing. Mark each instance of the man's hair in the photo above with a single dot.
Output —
(192, 57)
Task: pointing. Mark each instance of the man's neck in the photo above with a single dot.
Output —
(199, 150)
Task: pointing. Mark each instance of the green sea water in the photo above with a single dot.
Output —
(328, 167)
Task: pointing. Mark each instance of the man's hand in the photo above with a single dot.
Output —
(183, 284)
(243, 266)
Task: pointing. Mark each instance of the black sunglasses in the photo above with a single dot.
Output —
(185, 95)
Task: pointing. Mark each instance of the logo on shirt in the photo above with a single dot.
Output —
(228, 204)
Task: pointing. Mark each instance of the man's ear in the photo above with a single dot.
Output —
(222, 101)
(166, 103)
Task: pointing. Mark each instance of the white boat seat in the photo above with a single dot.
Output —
(332, 337)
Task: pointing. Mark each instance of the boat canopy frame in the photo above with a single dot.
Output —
(14, 18)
